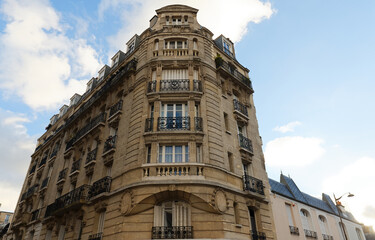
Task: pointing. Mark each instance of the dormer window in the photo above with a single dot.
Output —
(101, 75)
(74, 99)
(176, 44)
(115, 60)
(131, 46)
(228, 48)
(89, 85)
(176, 20)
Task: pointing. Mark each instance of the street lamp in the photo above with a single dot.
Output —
(339, 211)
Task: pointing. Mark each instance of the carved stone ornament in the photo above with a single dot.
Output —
(127, 202)
(219, 200)
(101, 206)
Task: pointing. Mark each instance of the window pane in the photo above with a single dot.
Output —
(186, 153)
(178, 153)
(168, 154)
(160, 154)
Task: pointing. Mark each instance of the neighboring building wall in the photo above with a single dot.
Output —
(112, 166)
(297, 226)
(6, 217)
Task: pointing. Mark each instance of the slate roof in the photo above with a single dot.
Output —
(288, 188)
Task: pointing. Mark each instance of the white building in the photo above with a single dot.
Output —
(298, 215)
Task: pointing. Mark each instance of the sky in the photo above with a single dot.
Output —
(311, 63)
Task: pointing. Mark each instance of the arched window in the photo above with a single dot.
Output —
(307, 223)
(172, 220)
(323, 225)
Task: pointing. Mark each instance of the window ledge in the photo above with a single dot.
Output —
(238, 225)
(228, 132)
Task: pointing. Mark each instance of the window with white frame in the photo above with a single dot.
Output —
(173, 153)
(171, 214)
(176, 20)
(199, 153)
(227, 48)
(174, 116)
(176, 44)
(288, 208)
(101, 222)
(174, 110)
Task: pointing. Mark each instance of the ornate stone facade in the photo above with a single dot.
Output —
(163, 144)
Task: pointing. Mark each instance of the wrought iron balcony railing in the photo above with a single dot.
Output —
(175, 232)
(253, 184)
(151, 87)
(198, 123)
(91, 156)
(32, 170)
(110, 143)
(149, 125)
(97, 236)
(77, 196)
(76, 165)
(44, 183)
(197, 86)
(327, 237)
(35, 215)
(62, 174)
(173, 123)
(294, 230)
(100, 186)
(87, 128)
(238, 106)
(239, 76)
(245, 143)
(310, 233)
(258, 235)
(115, 108)
(174, 85)
(30, 191)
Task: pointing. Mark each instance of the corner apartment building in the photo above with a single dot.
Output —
(300, 216)
(164, 144)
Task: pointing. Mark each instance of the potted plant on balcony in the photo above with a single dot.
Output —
(219, 61)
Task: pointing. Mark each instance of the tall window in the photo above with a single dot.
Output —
(253, 223)
(101, 222)
(359, 234)
(323, 224)
(306, 220)
(174, 110)
(236, 212)
(173, 154)
(173, 213)
(176, 44)
(199, 153)
(171, 74)
(288, 208)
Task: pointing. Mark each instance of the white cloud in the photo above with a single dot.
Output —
(220, 17)
(358, 178)
(293, 151)
(16, 146)
(288, 127)
(40, 63)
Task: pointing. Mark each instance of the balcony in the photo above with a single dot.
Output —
(174, 170)
(75, 167)
(198, 124)
(221, 64)
(239, 107)
(35, 215)
(174, 85)
(327, 237)
(91, 156)
(173, 123)
(253, 184)
(245, 143)
(86, 129)
(110, 143)
(101, 186)
(97, 236)
(149, 125)
(30, 192)
(255, 235)
(175, 232)
(294, 230)
(151, 87)
(176, 52)
(115, 108)
(310, 234)
(73, 199)
(62, 175)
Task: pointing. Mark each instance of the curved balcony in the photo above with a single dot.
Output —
(240, 108)
(91, 156)
(101, 186)
(294, 230)
(115, 108)
(174, 170)
(62, 175)
(245, 143)
(173, 123)
(172, 232)
(174, 85)
(97, 236)
(310, 233)
(228, 69)
(75, 167)
(109, 144)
